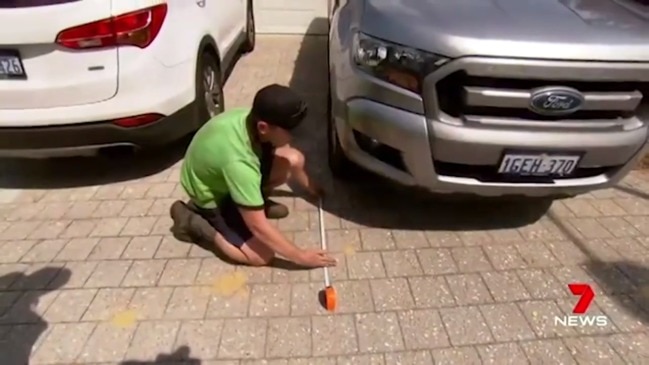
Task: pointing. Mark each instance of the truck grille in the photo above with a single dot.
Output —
(464, 96)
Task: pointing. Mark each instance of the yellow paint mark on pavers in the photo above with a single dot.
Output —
(230, 284)
(124, 319)
(349, 250)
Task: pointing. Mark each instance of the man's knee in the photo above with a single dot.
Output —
(292, 156)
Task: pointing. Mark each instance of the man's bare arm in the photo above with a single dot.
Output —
(264, 231)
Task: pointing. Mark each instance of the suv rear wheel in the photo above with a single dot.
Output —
(209, 88)
(249, 44)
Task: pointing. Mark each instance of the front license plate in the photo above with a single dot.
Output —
(11, 66)
(538, 164)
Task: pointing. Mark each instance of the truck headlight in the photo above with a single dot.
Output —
(399, 65)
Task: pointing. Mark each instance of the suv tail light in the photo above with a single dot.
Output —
(138, 28)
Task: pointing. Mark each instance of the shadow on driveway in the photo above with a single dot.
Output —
(75, 172)
(180, 356)
(19, 308)
(375, 203)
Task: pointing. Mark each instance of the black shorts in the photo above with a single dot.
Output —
(226, 218)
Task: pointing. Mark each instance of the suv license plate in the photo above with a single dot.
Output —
(11, 66)
(538, 164)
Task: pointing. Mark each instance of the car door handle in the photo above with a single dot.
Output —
(201, 3)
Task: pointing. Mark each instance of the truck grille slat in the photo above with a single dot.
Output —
(460, 94)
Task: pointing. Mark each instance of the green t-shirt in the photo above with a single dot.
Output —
(220, 160)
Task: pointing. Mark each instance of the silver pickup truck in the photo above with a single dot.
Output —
(489, 97)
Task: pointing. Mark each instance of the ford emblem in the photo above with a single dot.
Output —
(555, 100)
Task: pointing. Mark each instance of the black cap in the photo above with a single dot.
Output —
(279, 106)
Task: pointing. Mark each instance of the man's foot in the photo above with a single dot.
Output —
(275, 210)
(189, 226)
(181, 216)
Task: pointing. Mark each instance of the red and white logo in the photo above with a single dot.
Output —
(579, 318)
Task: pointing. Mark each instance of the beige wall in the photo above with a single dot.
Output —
(291, 16)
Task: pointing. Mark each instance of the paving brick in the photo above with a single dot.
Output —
(107, 343)
(346, 241)
(305, 301)
(64, 343)
(170, 248)
(619, 227)
(152, 338)
(406, 357)
(391, 294)
(109, 227)
(365, 265)
(379, 332)
(502, 354)
(377, 239)
(590, 228)
(471, 259)
(109, 248)
(180, 272)
(506, 322)
(79, 229)
(49, 230)
(505, 286)
(541, 316)
(547, 352)
(144, 273)
(453, 356)
(108, 192)
(334, 335)
(12, 251)
(469, 289)
(44, 251)
(409, 239)
(541, 284)
(431, 292)
(437, 261)
(108, 273)
(202, 337)
(150, 303)
(77, 249)
(29, 308)
(18, 230)
(138, 226)
(567, 253)
(109, 209)
(465, 326)
(270, 300)
(475, 238)
(536, 255)
(443, 239)
(591, 350)
(504, 257)
(243, 338)
(353, 296)
(73, 275)
(70, 305)
(37, 276)
(187, 303)
(136, 208)
(289, 337)
(401, 263)
(142, 247)
(631, 347)
(423, 329)
(107, 303)
(625, 314)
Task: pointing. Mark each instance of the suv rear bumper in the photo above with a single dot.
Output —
(88, 138)
(463, 160)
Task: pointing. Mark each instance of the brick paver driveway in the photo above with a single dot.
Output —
(91, 274)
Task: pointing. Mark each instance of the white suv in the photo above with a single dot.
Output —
(78, 76)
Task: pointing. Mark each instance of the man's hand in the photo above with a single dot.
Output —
(315, 258)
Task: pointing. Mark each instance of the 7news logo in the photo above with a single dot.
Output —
(579, 317)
